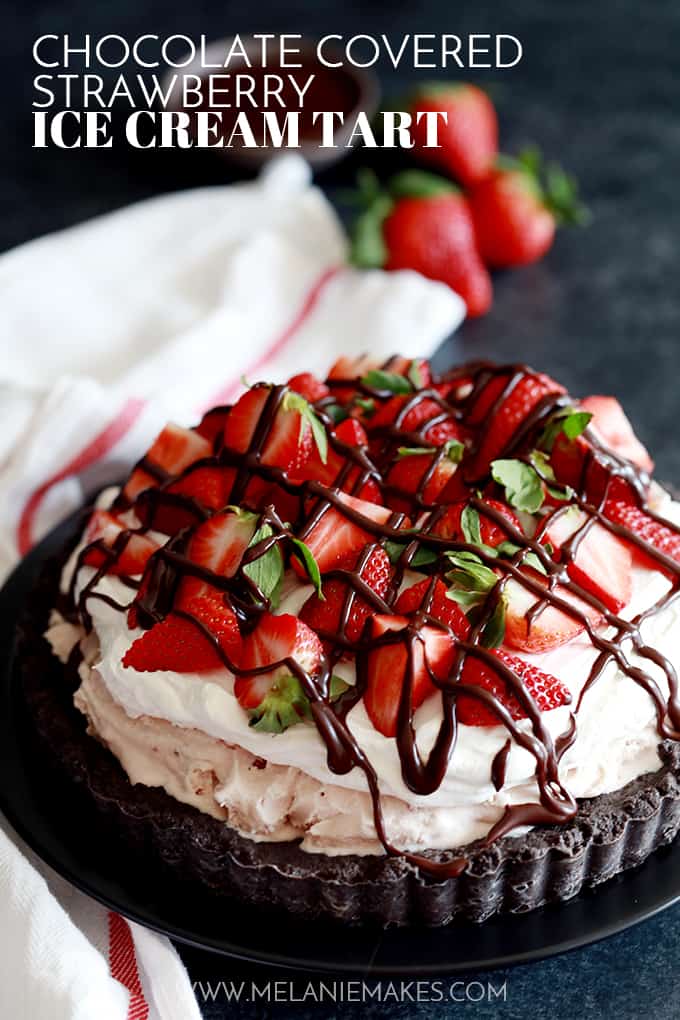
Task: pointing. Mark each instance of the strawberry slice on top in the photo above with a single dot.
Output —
(432, 654)
(173, 450)
(545, 690)
(268, 688)
(531, 630)
(641, 525)
(189, 641)
(217, 545)
(286, 441)
(336, 532)
(599, 561)
(500, 410)
(133, 553)
(325, 615)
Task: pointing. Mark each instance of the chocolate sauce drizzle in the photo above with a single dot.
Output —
(312, 499)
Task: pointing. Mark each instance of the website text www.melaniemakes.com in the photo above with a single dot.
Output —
(355, 991)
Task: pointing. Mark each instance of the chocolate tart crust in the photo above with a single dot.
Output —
(609, 834)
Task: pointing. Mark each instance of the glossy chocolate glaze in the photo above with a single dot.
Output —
(463, 387)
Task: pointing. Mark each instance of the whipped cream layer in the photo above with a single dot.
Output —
(616, 738)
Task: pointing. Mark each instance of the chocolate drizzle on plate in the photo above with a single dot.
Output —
(455, 394)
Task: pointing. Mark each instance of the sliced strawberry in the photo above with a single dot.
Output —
(326, 615)
(218, 545)
(334, 535)
(181, 645)
(420, 478)
(171, 452)
(600, 563)
(545, 690)
(208, 486)
(415, 419)
(350, 432)
(575, 463)
(350, 371)
(491, 534)
(610, 422)
(288, 440)
(212, 423)
(434, 601)
(549, 628)
(642, 525)
(433, 651)
(308, 386)
(275, 698)
(501, 422)
(134, 555)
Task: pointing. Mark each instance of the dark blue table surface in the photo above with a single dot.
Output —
(598, 88)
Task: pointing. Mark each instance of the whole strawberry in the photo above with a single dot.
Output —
(468, 141)
(517, 209)
(423, 222)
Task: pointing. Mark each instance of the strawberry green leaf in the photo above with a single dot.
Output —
(295, 402)
(367, 405)
(266, 571)
(454, 450)
(336, 412)
(493, 630)
(422, 557)
(470, 525)
(415, 375)
(414, 451)
(387, 382)
(368, 249)
(306, 557)
(522, 485)
(284, 705)
(337, 687)
(419, 184)
(568, 422)
(469, 573)
(510, 549)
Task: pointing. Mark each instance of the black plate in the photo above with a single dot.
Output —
(58, 832)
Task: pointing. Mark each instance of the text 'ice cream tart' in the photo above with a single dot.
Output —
(387, 646)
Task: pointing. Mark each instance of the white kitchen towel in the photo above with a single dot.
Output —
(109, 329)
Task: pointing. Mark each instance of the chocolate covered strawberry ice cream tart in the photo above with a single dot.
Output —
(401, 646)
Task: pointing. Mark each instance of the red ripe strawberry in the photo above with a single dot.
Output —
(502, 422)
(325, 615)
(600, 563)
(546, 691)
(334, 536)
(434, 235)
(610, 422)
(663, 537)
(171, 452)
(308, 386)
(351, 433)
(435, 602)
(212, 423)
(209, 486)
(433, 652)
(491, 534)
(574, 465)
(178, 644)
(422, 223)
(515, 213)
(105, 528)
(350, 371)
(288, 442)
(551, 627)
(218, 545)
(423, 411)
(418, 477)
(468, 142)
(275, 698)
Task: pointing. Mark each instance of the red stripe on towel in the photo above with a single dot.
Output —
(123, 965)
(94, 451)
